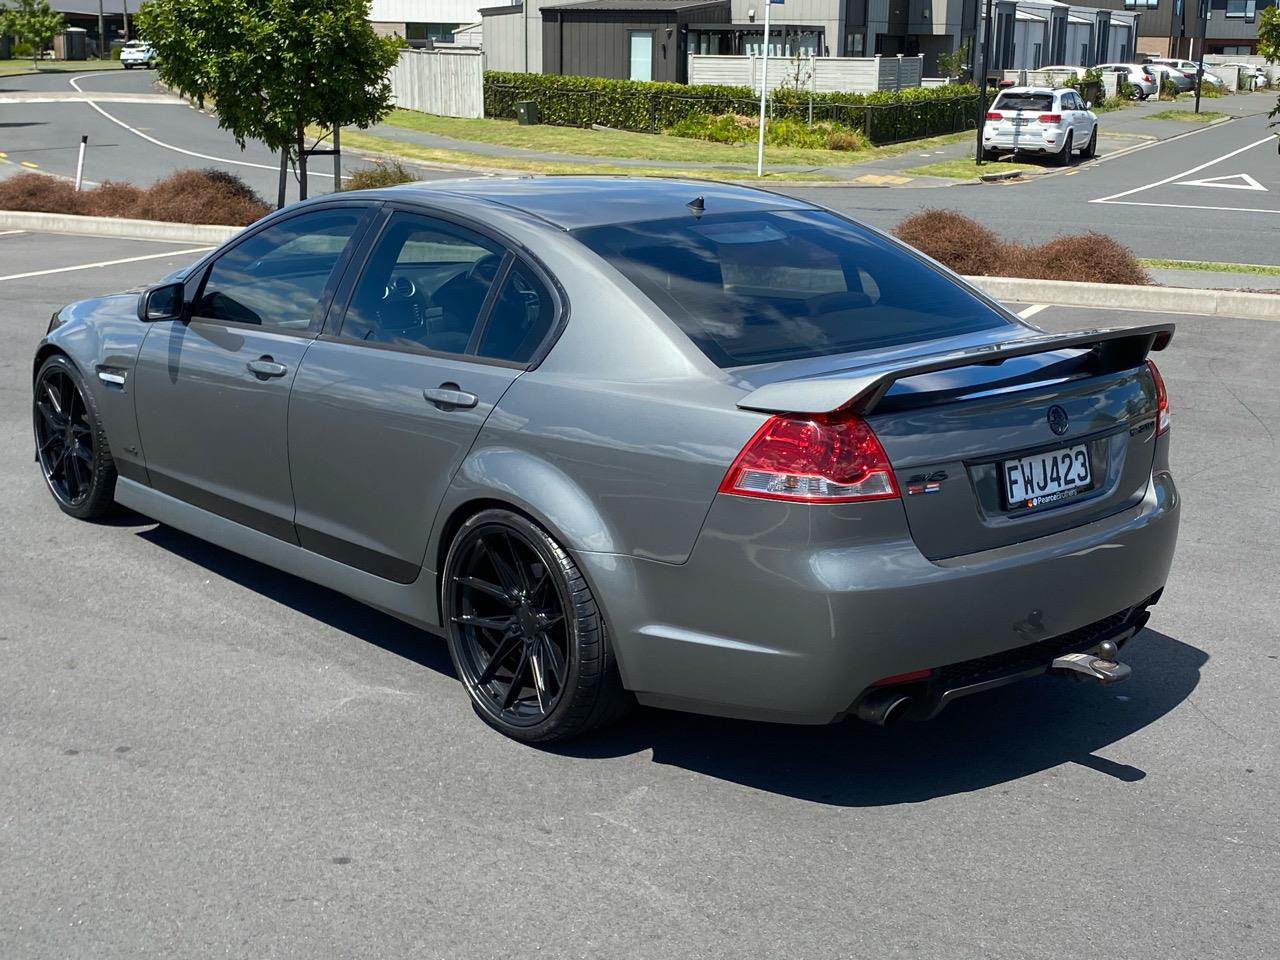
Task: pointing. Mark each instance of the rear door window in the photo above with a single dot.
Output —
(763, 287)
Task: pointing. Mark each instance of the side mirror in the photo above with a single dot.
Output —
(164, 302)
(1088, 104)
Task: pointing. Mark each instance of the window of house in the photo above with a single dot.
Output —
(1241, 10)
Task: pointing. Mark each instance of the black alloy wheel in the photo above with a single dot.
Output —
(524, 632)
(70, 443)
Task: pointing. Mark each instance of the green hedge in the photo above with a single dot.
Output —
(885, 116)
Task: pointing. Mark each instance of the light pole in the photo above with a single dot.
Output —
(1203, 17)
(102, 34)
(980, 77)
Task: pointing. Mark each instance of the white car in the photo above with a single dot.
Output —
(1040, 120)
(1188, 69)
(136, 53)
(1142, 80)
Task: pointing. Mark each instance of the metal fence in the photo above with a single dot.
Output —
(882, 123)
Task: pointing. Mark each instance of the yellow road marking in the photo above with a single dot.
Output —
(1072, 173)
(33, 166)
(881, 179)
(3, 154)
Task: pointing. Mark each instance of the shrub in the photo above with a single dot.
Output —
(111, 199)
(969, 248)
(39, 193)
(384, 173)
(644, 106)
(952, 239)
(202, 196)
(740, 128)
(845, 140)
(722, 128)
(1082, 258)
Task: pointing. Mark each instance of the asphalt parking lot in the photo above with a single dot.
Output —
(200, 756)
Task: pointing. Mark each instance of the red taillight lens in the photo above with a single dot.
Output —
(995, 116)
(1050, 118)
(826, 458)
(912, 677)
(1163, 419)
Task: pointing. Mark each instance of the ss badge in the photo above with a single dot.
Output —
(926, 482)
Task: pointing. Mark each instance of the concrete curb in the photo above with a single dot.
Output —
(1117, 296)
(116, 227)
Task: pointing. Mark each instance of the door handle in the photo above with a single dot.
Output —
(448, 396)
(265, 367)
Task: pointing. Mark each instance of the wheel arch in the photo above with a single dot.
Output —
(43, 353)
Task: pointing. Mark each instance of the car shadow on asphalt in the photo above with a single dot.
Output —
(320, 603)
(978, 743)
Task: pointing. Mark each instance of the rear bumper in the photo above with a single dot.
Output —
(767, 620)
(1025, 142)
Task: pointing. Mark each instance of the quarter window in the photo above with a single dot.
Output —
(521, 318)
(277, 278)
(424, 286)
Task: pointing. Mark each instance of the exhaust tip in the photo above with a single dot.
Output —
(883, 708)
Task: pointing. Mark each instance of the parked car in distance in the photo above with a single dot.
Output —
(1040, 120)
(137, 53)
(1189, 69)
(1136, 75)
(1164, 71)
(714, 448)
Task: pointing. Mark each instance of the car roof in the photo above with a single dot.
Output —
(573, 202)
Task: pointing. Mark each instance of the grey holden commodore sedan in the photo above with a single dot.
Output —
(700, 446)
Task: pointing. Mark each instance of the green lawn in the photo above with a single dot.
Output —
(355, 140)
(967, 169)
(633, 146)
(1212, 266)
(9, 67)
(1188, 116)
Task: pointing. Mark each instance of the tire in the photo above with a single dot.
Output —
(1064, 155)
(1091, 148)
(72, 450)
(990, 155)
(126, 66)
(511, 594)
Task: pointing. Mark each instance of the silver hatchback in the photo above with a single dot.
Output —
(696, 445)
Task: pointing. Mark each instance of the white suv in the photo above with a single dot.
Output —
(135, 53)
(1040, 120)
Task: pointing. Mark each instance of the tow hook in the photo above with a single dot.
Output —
(1099, 664)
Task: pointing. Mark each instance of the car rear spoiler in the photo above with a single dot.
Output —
(860, 389)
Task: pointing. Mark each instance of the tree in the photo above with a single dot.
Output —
(1269, 40)
(33, 22)
(955, 63)
(272, 68)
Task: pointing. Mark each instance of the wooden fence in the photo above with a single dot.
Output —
(448, 83)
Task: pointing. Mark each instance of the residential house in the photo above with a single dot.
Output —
(1171, 28)
(423, 22)
(1029, 34)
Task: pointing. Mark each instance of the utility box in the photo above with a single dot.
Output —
(527, 112)
(71, 44)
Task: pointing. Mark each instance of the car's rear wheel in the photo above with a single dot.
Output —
(1064, 157)
(1091, 148)
(70, 442)
(524, 632)
(990, 155)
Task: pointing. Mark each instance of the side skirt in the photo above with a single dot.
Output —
(414, 603)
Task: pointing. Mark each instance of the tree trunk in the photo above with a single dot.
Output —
(284, 177)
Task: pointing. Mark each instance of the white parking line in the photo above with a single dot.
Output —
(1027, 313)
(10, 233)
(106, 263)
(168, 146)
(1115, 197)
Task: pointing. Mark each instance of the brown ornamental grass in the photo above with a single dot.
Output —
(969, 248)
(188, 196)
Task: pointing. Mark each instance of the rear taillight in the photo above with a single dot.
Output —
(995, 116)
(912, 677)
(1163, 420)
(825, 458)
(1050, 118)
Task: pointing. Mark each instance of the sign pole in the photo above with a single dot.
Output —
(764, 90)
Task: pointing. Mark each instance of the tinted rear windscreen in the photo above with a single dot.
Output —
(1024, 101)
(758, 287)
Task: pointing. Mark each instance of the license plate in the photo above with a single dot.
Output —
(1021, 121)
(1046, 478)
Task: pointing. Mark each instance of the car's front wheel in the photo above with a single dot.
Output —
(1064, 157)
(1091, 148)
(524, 632)
(71, 444)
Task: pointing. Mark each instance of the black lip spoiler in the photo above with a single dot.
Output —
(862, 388)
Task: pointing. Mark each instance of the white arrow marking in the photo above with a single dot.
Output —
(1246, 182)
